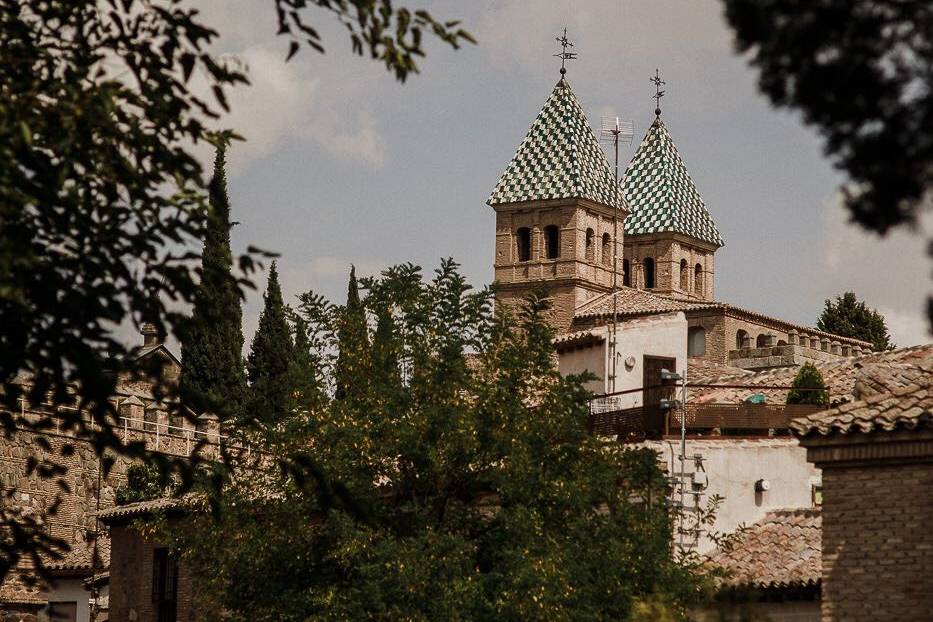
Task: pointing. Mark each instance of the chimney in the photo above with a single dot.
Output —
(150, 334)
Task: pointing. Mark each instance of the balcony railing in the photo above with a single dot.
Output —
(638, 423)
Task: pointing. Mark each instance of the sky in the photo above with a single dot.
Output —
(342, 164)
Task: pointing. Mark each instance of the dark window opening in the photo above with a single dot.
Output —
(63, 611)
(626, 277)
(552, 241)
(607, 250)
(164, 585)
(698, 279)
(590, 245)
(649, 273)
(761, 341)
(523, 239)
(740, 337)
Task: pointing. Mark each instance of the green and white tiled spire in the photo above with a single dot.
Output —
(560, 158)
(660, 194)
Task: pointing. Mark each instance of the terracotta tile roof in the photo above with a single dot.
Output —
(908, 408)
(847, 379)
(705, 371)
(578, 337)
(121, 513)
(781, 550)
(635, 302)
(80, 559)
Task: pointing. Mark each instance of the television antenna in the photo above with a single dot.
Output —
(614, 131)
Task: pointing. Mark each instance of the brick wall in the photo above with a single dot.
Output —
(131, 569)
(878, 543)
(717, 345)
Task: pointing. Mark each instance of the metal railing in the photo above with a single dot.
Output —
(751, 417)
(636, 423)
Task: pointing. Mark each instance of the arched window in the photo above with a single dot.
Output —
(740, 337)
(626, 274)
(649, 273)
(590, 245)
(523, 241)
(683, 275)
(552, 241)
(761, 341)
(607, 250)
(696, 341)
(698, 279)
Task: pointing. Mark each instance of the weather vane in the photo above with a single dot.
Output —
(658, 93)
(564, 55)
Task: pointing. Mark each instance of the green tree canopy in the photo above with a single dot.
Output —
(849, 317)
(212, 376)
(477, 493)
(352, 337)
(271, 356)
(860, 71)
(808, 387)
(102, 202)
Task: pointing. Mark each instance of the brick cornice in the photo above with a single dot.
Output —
(874, 449)
(575, 203)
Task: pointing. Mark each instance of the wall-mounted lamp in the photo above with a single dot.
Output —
(762, 485)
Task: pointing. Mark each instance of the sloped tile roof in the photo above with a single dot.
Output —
(80, 559)
(120, 513)
(704, 370)
(781, 550)
(578, 337)
(632, 301)
(847, 379)
(660, 193)
(908, 408)
(560, 158)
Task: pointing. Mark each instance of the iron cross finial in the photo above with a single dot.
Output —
(564, 55)
(658, 93)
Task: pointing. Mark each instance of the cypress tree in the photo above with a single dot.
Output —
(270, 357)
(212, 375)
(808, 387)
(385, 350)
(352, 342)
(304, 374)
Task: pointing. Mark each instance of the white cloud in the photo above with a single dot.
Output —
(304, 98)
(907, 328)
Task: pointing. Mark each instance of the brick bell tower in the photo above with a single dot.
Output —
(556, 208)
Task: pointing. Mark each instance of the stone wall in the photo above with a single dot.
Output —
(75, 519)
